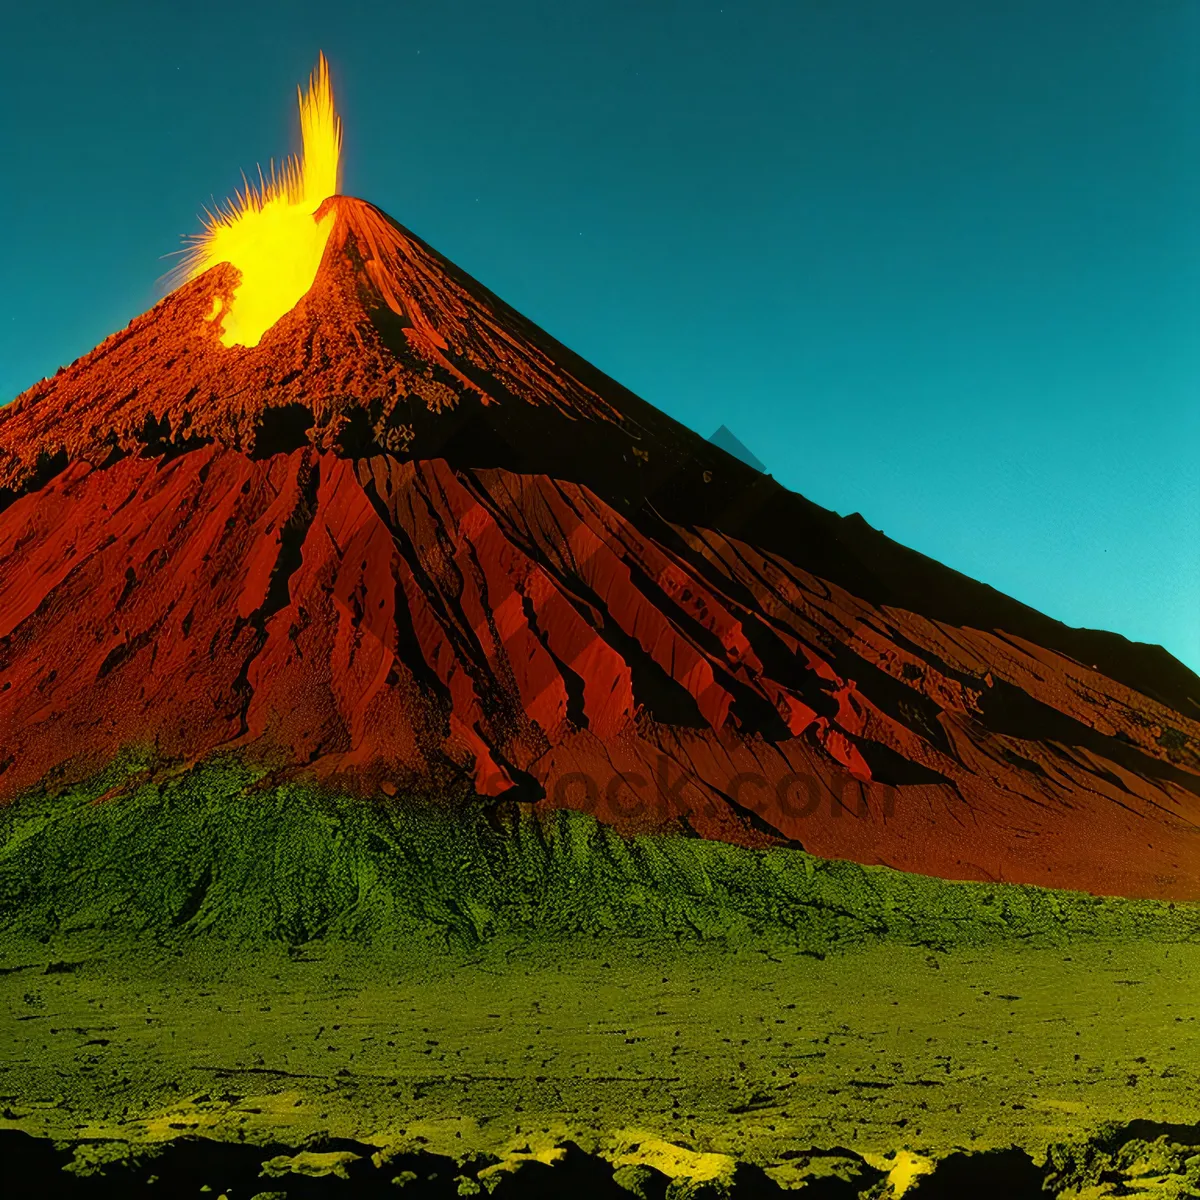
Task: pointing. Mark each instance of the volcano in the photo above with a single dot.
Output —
(335, 508)
(412, 743)
(409, 540)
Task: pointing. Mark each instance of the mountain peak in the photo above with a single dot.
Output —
(409, 543)
(405, 329)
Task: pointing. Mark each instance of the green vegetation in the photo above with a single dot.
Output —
(276, 964)
(685, 1056)
(217, 850)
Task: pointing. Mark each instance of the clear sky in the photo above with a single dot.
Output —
(936, 262)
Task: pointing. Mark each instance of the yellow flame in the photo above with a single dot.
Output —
(268, 232)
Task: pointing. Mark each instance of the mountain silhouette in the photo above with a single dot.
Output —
(409, 543)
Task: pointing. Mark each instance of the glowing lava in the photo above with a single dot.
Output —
(268, 232)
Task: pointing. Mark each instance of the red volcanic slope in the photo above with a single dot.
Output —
(410, 542)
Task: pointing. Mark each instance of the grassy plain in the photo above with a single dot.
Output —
(224, 957)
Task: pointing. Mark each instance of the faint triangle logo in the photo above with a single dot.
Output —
(731, 445)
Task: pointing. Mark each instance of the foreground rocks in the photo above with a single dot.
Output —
(1141, 1158)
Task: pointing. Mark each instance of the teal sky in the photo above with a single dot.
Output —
(935, 262)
